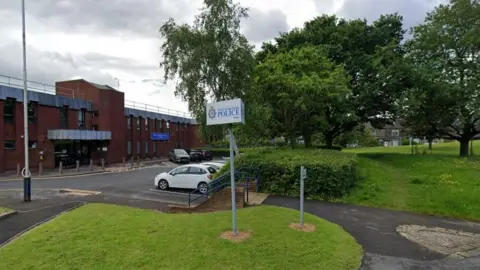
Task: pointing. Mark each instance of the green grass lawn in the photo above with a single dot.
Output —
(4, 210)
(439, 183)
(99, 236)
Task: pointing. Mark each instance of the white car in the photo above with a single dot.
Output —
(216, 165)
(191, 176)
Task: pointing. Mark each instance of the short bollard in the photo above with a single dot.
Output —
(138, 160)
(91, 164)
(18, 169)
(78, 165)
(60, 167)
(103, 164)
(123, 162)
(40, 168)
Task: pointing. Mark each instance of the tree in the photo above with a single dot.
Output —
(372, 57)
(446, 50)
(212, 60)
(297, 85)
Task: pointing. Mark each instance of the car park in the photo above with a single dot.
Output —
(192, 176)
(179, 156)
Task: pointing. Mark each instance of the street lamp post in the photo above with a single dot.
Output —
(26, 171)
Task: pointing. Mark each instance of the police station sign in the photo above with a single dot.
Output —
(226, 112)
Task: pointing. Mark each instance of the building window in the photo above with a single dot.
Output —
(138, 148)
(81, 119)
(154, 124)
(395, 133)
(146, 147)
(129, 123)
(64, 117)
(32, 112)
(129, 147)
(138, 123)
(32, 144)
(95, 114)
(146, 123)
(9, 145)
(94, 127)
(8, 110)
(168, 124)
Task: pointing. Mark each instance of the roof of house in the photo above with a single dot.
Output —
(102, 86)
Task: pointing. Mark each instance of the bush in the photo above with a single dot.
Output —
(334, 147)
(331, 174)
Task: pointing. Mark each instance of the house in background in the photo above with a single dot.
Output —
(390, 135)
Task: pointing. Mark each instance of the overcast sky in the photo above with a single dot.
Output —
(100, 40)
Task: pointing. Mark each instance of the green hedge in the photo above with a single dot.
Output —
(331, 174)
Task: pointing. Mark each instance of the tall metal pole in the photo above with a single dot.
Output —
(232, 182)
(303, 175)
(26, 171)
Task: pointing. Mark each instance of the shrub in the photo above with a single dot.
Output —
(331, 174)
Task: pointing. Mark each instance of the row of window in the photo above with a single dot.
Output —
(154, 124)
(11, 144)
(9, 114)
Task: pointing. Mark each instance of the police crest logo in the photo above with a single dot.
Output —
(211, 112)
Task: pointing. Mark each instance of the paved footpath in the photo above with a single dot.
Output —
(375, 230)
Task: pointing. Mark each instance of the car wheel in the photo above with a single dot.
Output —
(203, 188)
(163, 184)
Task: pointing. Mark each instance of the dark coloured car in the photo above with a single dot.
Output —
(207, 154)
(179, 156)
(195, 154)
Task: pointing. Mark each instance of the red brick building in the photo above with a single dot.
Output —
(83, 121)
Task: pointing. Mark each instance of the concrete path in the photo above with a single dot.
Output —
(376, 230)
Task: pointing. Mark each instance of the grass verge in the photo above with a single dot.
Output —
(4, 210)
(436, 184)
(99, 236)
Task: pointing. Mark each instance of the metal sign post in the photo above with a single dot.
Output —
(228, 112)
(303, 176)
(26, 170)
(232, 182)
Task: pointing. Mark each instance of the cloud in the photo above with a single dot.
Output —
(263, 26)
(138, 17)
(413, 11)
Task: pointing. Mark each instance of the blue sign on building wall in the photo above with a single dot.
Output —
(160, 136)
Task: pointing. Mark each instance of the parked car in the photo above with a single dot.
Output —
(190, 176)
(179, 155)
(195, 154)
(216, 165)
(207, 154)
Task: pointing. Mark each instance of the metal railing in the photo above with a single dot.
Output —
(152, 108)
(36, 86)
(244, 175)
(54, 90)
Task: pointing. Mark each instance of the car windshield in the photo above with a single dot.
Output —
(211, 170)
(180, 152)
(213, 166)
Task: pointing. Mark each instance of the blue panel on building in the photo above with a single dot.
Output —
(160, 136)
(44, 99)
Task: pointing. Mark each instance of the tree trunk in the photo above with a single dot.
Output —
(292, 141)
(329, 141)
(471, 148)
(464, 144)
(430, 141)
(307, 137)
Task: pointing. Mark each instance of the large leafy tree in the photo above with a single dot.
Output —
(373, 59)
(211, 59)
(297, 83)
(446, 51)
